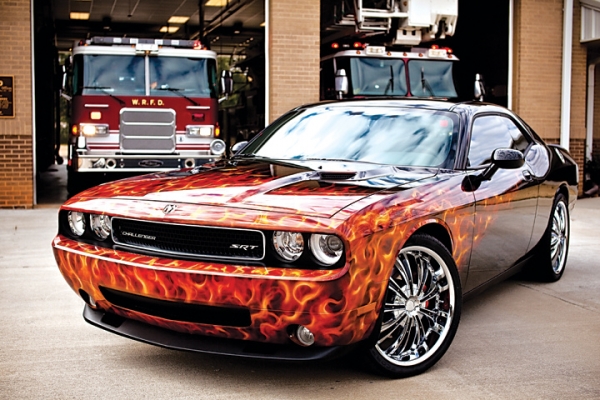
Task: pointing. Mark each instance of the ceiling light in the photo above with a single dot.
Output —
(169, 29)
(79, 15)
(262, 25)
(216, 3)
(178, 20)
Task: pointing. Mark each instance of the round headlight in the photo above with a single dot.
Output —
(100, 225)
(327, 249)
(289, 245)
(76, 222)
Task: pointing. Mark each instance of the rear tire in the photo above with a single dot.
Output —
(551, 259)
(421, 310)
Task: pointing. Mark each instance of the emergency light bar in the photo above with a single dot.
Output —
(143, 42)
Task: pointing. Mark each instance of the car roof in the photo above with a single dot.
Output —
(470, 107)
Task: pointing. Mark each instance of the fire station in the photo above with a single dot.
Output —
(536, 57)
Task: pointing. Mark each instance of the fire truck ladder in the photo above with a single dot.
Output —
(414, 21)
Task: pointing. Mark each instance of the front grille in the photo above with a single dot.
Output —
(179, 311)
(148, 130)
(189, 240)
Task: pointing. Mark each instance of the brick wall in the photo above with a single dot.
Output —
(538, 72)
(294, 54)
(16, 144)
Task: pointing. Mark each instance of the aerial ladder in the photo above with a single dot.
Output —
(397, 22)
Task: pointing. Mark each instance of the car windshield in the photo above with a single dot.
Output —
(381, 135)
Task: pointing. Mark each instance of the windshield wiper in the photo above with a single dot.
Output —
(390, 82)
(424, 83)
(178, 91)
(104, 90)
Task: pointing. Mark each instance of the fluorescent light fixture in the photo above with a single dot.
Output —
(216, 3)
(169, 29)
(178, 20)
(79, 15)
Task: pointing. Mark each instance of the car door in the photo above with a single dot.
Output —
(505, 205)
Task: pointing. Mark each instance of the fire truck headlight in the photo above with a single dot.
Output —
(203, 131)
(93, 130)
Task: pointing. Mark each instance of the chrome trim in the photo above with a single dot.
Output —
(177, 253)
(96, 105)
(198, 107)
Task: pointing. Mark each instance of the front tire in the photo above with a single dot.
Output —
(554, 247)
(421, 310)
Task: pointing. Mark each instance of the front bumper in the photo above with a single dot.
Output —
(203, 344)
(107, 162)
(337, 308)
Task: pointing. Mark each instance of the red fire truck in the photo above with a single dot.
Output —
(361, 70)
(138, 106)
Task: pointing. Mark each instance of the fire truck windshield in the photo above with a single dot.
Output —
(375, 76)
(431, 78)
(126, 75)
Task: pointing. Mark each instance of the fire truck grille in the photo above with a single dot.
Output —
(148, 130)
(189, 241)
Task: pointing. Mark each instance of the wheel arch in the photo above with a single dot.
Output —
(438, 231)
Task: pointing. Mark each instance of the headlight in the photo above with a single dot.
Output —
(93, 129)
(203, 131)
(289, 245)
(101, 225)
(327, 249)
(76, 222)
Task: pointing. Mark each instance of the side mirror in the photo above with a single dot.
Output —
(503, 159)
(238, 146)
(479, 90)
(65, 90)
(341, 83)
(226, 83)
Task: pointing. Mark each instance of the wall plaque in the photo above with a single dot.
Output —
(7, 93)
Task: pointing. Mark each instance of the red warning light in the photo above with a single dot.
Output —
(358, 45)
(335, 45)
(435, 46)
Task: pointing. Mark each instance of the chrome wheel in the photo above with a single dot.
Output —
(418, 309)
(559, 237)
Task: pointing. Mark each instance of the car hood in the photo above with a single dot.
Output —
(314, 188)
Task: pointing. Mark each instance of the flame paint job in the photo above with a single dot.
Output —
(374, 217)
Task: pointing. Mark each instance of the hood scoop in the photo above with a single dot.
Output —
(336, 176)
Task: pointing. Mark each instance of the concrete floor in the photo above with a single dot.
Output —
(518, 340)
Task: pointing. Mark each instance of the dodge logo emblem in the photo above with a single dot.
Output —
(169, 208)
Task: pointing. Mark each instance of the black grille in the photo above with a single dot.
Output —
(189, 240)
(179, 311)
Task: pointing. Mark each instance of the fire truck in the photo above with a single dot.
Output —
(138, 106)
(383, 61)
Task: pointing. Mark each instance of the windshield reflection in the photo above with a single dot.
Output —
(381, 135)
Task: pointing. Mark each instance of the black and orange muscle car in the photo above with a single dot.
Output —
(343, 225)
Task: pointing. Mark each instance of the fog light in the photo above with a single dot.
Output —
(303, 336)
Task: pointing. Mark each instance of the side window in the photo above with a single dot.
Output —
(492, 132)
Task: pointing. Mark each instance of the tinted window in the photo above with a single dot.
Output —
(492, 132)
